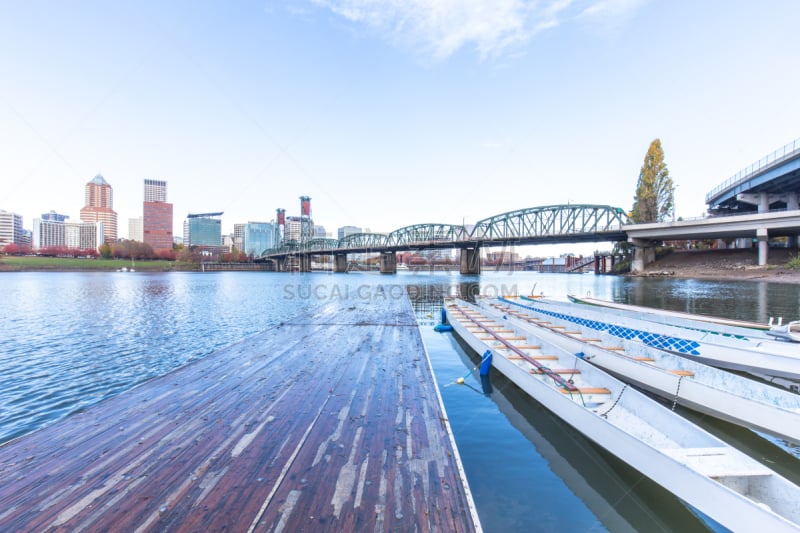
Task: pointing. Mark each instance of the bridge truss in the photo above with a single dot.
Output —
(426, 235)
(548, 224)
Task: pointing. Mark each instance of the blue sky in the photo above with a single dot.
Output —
(386, 112)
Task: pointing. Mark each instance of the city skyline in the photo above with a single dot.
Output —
(387, 114)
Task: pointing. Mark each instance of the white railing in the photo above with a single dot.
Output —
(781, 154)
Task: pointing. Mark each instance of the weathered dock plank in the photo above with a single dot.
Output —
(328, 422)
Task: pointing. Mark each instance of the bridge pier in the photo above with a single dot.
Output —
(644, 253)
(792, 204)
(304, 263)
(603, 264)
(763, 245)
(388, 262)
(470, 260)
(340, 263)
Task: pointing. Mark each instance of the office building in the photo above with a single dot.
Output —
(10, 228)
(258, 237)
(238, 236)
(203, 229)
(157, 225)
(344, 231)
(83, 235)
(155, 191)
(99, 207)
(293, 229)
(47, 234)
(66, 234)
(136, 229)
(156, 216)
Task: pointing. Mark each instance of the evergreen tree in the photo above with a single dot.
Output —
(654, 200)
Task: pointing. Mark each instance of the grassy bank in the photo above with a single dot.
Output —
(62, 264)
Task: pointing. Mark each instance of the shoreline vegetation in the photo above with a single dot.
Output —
(723, 265)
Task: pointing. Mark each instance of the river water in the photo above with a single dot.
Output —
(70, 340)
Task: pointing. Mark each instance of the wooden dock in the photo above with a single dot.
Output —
(328, 422)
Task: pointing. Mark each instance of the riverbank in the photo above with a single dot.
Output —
(726, 265)
(28, 263)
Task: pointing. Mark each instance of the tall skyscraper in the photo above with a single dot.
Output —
(156, 216)
(100, 207)
(155, 191)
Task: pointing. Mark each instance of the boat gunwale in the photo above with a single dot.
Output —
(762, 414)
(679, 478)
(724, 354)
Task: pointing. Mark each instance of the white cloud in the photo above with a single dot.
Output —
(611, 8)
(439, 28)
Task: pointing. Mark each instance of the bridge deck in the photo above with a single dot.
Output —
(326, 422)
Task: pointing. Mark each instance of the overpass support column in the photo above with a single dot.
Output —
(304, 262)
(388, 262)
(644, 253)
(763, 246)
(792, 204)
(470, 261)
(340, 263)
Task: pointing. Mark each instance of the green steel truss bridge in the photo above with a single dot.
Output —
(536, 225)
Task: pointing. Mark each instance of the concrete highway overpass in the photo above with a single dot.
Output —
(759, 226)
(773, 182)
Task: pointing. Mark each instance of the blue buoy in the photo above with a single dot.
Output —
(444, 326)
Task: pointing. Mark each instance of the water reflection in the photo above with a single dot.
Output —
(70, 340)
(755, 301)
(618, 496)
(621, 497)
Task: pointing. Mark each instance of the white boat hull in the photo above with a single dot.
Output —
(755, 356)
(707, 390)
(697, 467)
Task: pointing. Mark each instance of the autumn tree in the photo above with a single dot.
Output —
(11, 249)
(654, 201)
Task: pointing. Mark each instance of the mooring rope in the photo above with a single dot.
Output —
(605, 415)
(677, 392)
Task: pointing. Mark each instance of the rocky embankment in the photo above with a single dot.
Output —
(726, 265)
